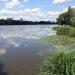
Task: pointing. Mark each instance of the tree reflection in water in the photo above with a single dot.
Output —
(2, 72)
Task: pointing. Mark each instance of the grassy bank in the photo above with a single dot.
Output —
(62, 62)
(59, 40)
(67, 31)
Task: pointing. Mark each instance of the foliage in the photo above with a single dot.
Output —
(59, 40)
(66, 17)
(55, 28)
(72, 32)
(10, 21)
(59, 64)
(63, 31)
(73, 22)
(60, 20)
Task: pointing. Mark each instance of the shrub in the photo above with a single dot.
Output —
(56, 28)
(63, 31)
(72, 22)
(72, 32)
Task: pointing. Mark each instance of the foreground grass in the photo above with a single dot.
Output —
(60, 63)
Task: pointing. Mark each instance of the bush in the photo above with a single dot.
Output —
(63, 31)
(59, 64)
(72, 22)
(56, 28)
(72, 32)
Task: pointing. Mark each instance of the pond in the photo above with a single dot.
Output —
(20, 53)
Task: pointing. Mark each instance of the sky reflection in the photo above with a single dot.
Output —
(2, 51)
(28, 32)
(15, 36)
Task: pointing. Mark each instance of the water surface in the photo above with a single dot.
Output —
(20, 54)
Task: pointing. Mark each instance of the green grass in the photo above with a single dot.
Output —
(72, 32)
(60, 63)
(55, 28)
(67, 31)
(62, 30)
(59, 40)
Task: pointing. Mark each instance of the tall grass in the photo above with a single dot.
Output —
(60, 63)
(63, 62)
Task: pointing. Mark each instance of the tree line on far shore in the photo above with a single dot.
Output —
(21, 22)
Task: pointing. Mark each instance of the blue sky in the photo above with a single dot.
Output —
(48, 5)
(34, 10)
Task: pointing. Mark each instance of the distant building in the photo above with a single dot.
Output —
(21, 19)
(9, 18)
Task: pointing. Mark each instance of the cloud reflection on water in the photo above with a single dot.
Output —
(2, 51)
(13, 42)
(27, 32)
(15, 35)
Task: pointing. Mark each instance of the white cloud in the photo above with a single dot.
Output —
(54, 13)
(12, 4)
(2, 51)
(60, 1)
(73, 6)
(65, 10)
(3, 0)
(35, 14)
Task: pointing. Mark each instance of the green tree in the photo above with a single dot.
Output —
(66, 18)
(60, 20)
